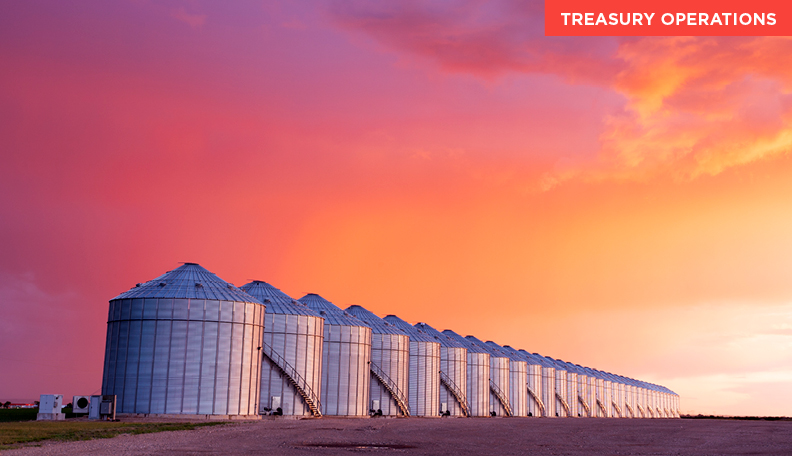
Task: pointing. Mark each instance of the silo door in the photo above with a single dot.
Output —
(443, 407)
(276, 402)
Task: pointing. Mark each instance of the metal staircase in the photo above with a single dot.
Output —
(640, 409)
(294, 377)
(618, 409)
(585, 405)
(538, 401)
(603, 408)
(456, 392)
(659, 412)
(668, 415)
(563, 402)
(392, 387)
(630, 409)
(501, 397)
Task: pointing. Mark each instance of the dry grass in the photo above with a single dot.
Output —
(14, 435)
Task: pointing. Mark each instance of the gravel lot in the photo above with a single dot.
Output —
(452, 436)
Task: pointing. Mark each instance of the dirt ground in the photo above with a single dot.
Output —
(452, 436)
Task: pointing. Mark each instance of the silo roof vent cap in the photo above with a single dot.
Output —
(138, 284)
(322, 312)
(267, 300)
(198, 285)
(162, 284)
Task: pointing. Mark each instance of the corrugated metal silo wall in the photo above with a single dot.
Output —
(478, 389)
(548, 391)
(518, 387)
(499, 375)
(607, 397)
(299, 340)
(391, 352)
(345, 370)
(453, 362)
(571, 393)
(618, 392)
(535, 384)
(183, 356)
(582, 380)
(591, 396)
(600, 399)
(424, 390)
(561, 392)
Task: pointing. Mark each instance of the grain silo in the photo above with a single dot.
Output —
(478, 376)
(424, 384)
(617, 395)
(535, 405)
(291, 367)
(346, 354)
(599, 398)
(453, 373)
(589, 390)
(186, 342)
(548, 384)
(500, 376)
(578, 395)
(562, 406)
(518, 380)
(390, 364)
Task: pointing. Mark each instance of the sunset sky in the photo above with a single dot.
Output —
(621, 203)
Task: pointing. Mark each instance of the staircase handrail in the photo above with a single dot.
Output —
(538, 401)
(603, 408)
(501, 397)
(392, 387)
(456, 392)
(300, 384)
(618, 409)
(563, 402)
(585, 405)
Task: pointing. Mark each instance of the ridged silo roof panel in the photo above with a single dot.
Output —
(471, 347)
(412, 331)
(444, 339)
(277, 302)
(332, 314)
(188, 281)
(378, 325)
(494, 352)
(511, 354)
(520, 354)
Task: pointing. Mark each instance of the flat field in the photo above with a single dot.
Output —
(452, 436)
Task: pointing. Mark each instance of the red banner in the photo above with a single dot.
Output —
(668, 18)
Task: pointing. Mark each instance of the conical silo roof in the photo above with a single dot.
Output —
(539, 359)
(188, 281)
(521, 355)
(332, 314)
(378, 325)
(412, 331)
(445, 340)
(471, 346)
(511, 354)
(494, 352)
(277, 302)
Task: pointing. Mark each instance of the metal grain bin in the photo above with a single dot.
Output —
(535, 405)
(562, 406)
(291, 367)
(345, 359)
(518, 380)
(453, 373)
(390, 364)
(424, 383)
(478, 376)
(500, 376)
(548, 384)
(578, 396)
(572, 396)
(186, 342)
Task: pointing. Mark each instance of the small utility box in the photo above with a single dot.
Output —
(50, 407)
(102, 407)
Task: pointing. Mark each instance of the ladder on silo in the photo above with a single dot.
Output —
(501, 397)
(603, 408)
(618, 409)
(564, 403)
(585, 405)
(456, 392)
(538, 401)
(630, 409)
(294, 378)
(391, 387)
